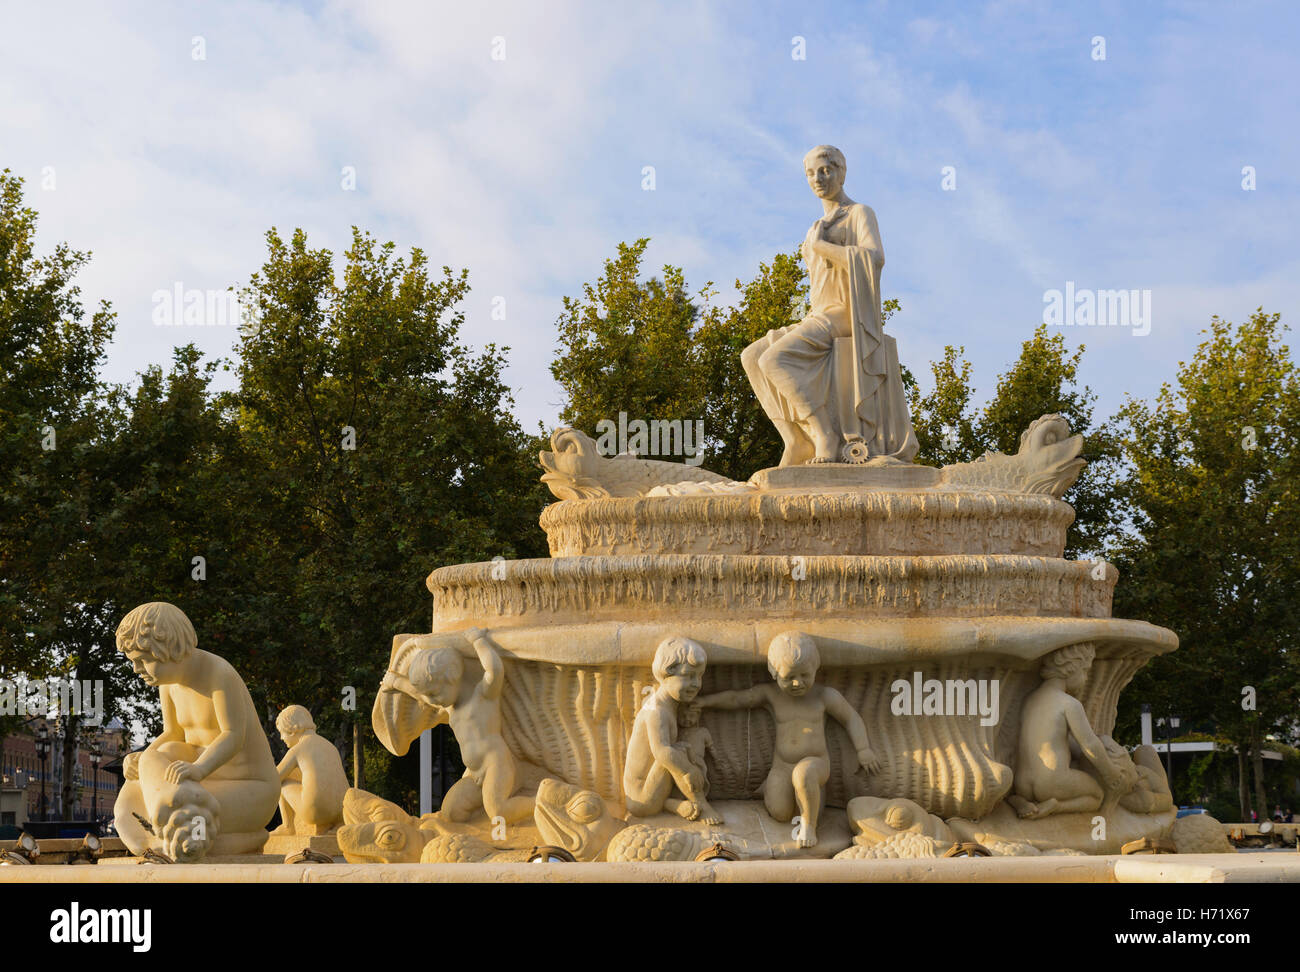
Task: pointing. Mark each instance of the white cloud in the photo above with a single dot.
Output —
(527, 171)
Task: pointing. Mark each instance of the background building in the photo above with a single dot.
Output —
(23, 770)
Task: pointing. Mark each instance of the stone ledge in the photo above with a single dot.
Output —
(876, 474)
(1269, 867)
(1281, 866)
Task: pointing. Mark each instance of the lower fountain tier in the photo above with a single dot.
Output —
(572, 692)
(845, 522)
(564, 589)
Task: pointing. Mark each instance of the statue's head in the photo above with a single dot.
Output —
(1071, 664)
(294, 721)
(824, 167)
(793, 660)
(679, 667)
(156, 638)
(436, 673)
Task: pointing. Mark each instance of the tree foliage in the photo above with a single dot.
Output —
(1214, 552)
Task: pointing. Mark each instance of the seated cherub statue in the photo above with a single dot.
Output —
(801, 761)
(472, 706)
(1053, 726)
(210, 776)
(312, 778)
(657, 765)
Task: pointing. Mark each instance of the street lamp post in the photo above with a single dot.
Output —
(43, 751)
(96, 754)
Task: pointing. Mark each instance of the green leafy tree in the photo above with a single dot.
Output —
(376, 447)
(50, 352)
(944, 419)
(1214, 553)
(1043, 380)
(627, 346)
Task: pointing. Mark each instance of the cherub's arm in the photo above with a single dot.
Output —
(1089, 744)
(397, 682)
(847, 716)
(288, 764)
(494, 673)
(172, 732)
(737, 699)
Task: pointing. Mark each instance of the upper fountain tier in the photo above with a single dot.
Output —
(996, 505)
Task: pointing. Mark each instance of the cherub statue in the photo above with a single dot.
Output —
(211, 772)
(312, 778)
(656, 762)
(437, 677)
(801, 761)
(1053, 727)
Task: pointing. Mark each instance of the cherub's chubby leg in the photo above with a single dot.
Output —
(778, 791)
(247, 806)
(498, 784)
(707, 814)
(809, 778)
(463, 800)
(1064, 791)
(651, 796)
(1022, 806)
(290, 799)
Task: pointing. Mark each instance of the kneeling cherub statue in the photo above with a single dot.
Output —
(312, 778)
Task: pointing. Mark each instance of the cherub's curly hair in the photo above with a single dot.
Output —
(160, 629)
(294, 720)
(674, 651)
(432, 664)
(1064, 662)
(789, 648)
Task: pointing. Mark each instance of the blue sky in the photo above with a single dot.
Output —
(1116, 173)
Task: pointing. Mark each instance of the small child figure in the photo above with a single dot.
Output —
(696, 741)
(1051, 720)
(312, 778)
(801, 761)
(655, 760)
(473, 708)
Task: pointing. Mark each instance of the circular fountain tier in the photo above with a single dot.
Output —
(753, 588)
(844, 522)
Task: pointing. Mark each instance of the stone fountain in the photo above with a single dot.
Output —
(847, 655)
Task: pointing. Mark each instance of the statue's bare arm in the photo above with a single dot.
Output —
(288, 764)
(847, 716)
(1089, 744)
(493, 671)
(172, 731)
(738, 699)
